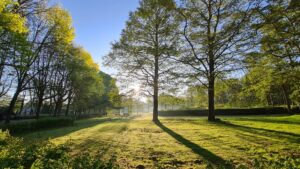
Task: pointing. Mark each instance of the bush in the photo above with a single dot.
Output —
(247, 111)
(40, 124)
(15, 153)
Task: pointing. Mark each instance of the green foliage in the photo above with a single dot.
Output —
(254, 89)
(61, 21)
(279, 52)
(196, 96)
(15, 153)
(227, 92)
(166, 99)
(44, 59)
(281, 30)
(110, 96)
(277, 84)
(92, 89)
(9, 20)
(40, 124)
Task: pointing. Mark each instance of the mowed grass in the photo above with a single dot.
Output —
(183, 142)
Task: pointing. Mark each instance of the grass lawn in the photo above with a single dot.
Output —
(183, 142)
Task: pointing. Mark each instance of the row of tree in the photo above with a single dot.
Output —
(167, 43)
(252, 90)
(41, 67)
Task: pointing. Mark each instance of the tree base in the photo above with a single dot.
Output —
(211, 119)
(156, 121)
(214, 120)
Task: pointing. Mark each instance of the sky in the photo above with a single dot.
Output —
(97, 23)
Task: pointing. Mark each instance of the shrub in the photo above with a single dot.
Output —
(11, 151)
(15, 153)
(40, 124)
(87, 116)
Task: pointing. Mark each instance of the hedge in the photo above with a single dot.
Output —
(87, 116)
(233, 112)
(34, 125)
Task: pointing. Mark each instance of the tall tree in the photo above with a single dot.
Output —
(85, 83)
(279, 24)
(280, 43)
(110, 96)
(217, 33)
(270, 87)
(47, 26)
(61, 37)
(39, 61)
(12, 26)
(143, 51)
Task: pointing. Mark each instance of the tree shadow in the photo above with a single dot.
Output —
(291, 137)
(210, 157)
(270, 121)
(104, 144)
(79, 125)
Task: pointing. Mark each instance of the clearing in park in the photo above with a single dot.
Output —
(183, 142)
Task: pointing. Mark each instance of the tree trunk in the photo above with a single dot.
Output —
(12, 105)
(211, 100)
(155, 92)
(58, 108)
(51, 107)
(286, 97)
(211, 87)
(211, 64)
(155, 105)
(55, 110)
(39, 106)
(67, 109)
(22, 106)
(271, 99)
(68, 104)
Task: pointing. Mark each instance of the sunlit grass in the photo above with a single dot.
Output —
(180, 142)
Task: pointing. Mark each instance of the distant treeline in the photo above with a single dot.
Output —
(234, 112)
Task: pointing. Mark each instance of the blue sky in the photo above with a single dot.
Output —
(98, 23)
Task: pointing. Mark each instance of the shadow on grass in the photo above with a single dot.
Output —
(104, 143)
(79, 125)
(291, 137)
(206, 154)
(269, 121)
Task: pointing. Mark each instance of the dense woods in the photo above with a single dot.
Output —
(42, 70)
